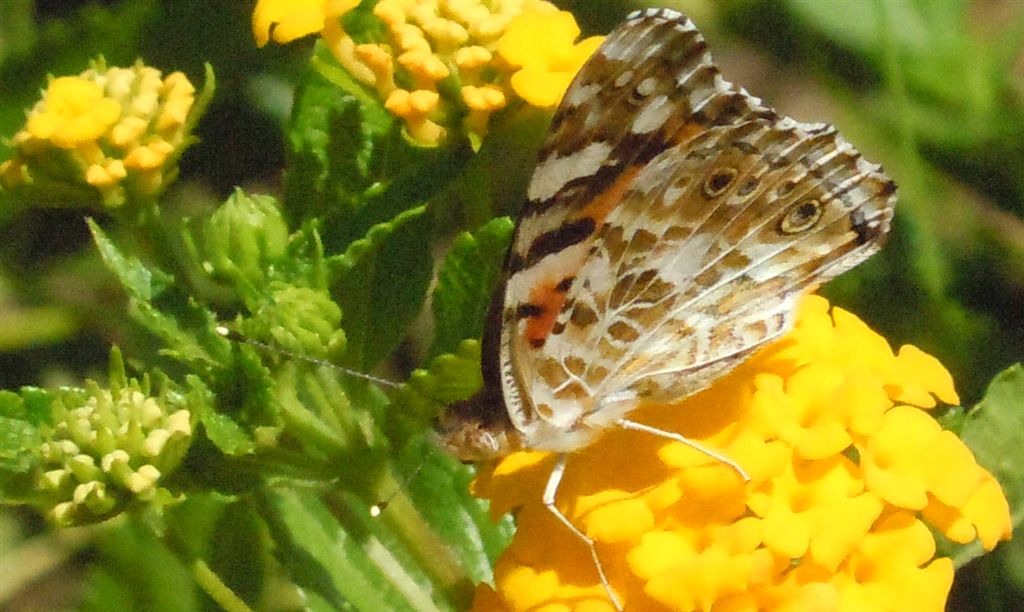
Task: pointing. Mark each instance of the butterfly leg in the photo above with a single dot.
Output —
(634, 426)
(550, 491)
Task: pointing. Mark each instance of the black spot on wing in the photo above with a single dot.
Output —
(565, 284)
(529, 311)
(866, 231)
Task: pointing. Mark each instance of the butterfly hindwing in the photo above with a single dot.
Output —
(702, 261)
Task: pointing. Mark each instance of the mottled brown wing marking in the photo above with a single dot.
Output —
(582, 316)
(547, 299)
(579, 228)
(688, 132)
(614, 79)
(606, 201)
(671, 94)
(718, 180)
(721, 279)
(758, 241)
(801, 216)
(747, 218)
(623, 332)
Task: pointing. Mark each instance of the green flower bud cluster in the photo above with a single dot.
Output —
(299, 319)
(106, 448)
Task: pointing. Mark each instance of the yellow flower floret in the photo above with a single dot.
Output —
(475, 56)
(77, 113)
(288, 20)
(103, 135)
(543, 49)
(829, 423)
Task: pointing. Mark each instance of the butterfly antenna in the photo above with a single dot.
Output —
(234, 336)
(378, 508)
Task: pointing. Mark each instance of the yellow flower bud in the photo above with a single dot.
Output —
(389, 12)
(472, 58)
(486, 98)
(105, 136)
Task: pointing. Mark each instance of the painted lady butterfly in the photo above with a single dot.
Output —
(673, 221)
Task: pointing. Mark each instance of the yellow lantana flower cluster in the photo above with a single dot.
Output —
(444, 63)
(848, 474)
(102, 136)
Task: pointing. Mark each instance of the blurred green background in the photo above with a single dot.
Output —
(932, 89)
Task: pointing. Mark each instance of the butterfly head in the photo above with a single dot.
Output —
(477, 429)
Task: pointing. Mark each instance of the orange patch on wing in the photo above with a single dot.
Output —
(599, 207)
(550, 301)
(688, 131)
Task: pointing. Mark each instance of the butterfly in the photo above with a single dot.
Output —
(672, 222)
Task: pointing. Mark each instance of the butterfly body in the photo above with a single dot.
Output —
(672, 221)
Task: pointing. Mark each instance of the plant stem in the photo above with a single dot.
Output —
(219, 592)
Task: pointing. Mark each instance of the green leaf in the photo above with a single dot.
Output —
(350, 166)
(169, 319)
(328, 148)
(381, 282)
(238, 553)
(135, 571)
(450, 377)
(136, 278)
(17, 461)
(441, 494)
(185, 327)
(11, 405)
(334, 135)
(447, 378)
(992, 430)
(227, 435)
(344, 559)
(466, 283)
(17, 437)
(20, 417)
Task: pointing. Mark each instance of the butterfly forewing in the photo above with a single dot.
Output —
(672, 220)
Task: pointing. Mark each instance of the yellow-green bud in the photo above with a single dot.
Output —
(244, 238)
(106, 448)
